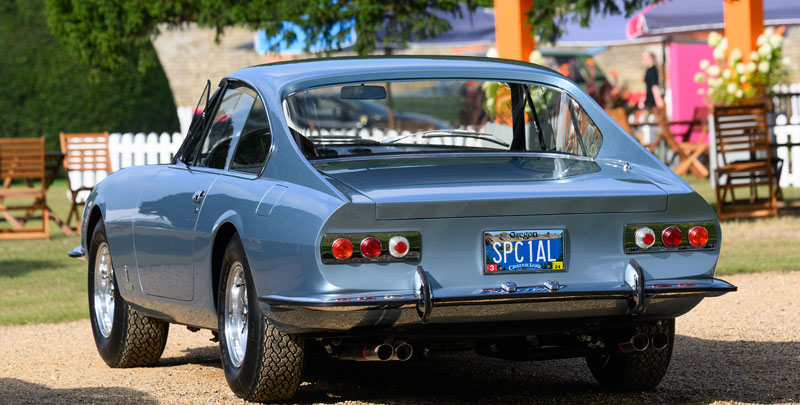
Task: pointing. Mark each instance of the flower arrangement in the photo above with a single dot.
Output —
(733, 79)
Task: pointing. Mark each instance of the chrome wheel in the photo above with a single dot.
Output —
(236, 314)
(103, 290)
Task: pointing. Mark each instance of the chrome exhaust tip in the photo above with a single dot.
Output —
(382, 352)
(403, 351)
(379, 352)
(660, 341)
(637, 343)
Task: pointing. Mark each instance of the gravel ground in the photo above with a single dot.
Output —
(743, 347)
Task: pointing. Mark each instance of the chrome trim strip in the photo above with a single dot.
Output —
(380, 300)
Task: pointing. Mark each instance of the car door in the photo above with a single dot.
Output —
(165, 228)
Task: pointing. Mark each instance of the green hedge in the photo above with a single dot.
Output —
(45, 90)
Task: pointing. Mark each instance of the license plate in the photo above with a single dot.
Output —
(539, 250)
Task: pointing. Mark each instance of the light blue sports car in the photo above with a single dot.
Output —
(496, 207)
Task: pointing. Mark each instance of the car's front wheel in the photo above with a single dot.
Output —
(261, 363)
(124, 337)
(636, 370)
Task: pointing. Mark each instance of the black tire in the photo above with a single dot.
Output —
(135, 340)
(272, 365)
(636, 371)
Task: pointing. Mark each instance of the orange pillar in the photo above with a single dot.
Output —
(744, 22)
(512, 35)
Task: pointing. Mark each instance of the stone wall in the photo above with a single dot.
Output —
(190, 56)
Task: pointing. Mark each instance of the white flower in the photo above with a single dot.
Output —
(739, 93)
(765, 51)
(719, 54)
(754, 55)
(786, 61)
(740, 68)
(763, 66)
(492, 52)
(726, 74)
(743, 79)
(536, 57)
(736, 55)
(723, 44)
(776, 41)
(713, 70)
(710, 92)
(731, 88)
(751, 67)
(714, 39)
(762, 39)
(700, 91)
(769, 31)
(699, 77)
(704, 64)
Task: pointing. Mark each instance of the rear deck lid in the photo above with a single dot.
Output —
(450, 187)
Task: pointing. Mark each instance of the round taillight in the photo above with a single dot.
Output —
(671, 236)
(371, 247)
(698, 236)
(342, 248)
(398, 246)
(645, 238)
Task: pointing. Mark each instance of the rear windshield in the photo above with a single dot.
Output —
(438, 116)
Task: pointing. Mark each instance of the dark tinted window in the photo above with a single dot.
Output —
(253, 145)
(228, 121)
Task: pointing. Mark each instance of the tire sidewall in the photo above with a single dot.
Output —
(243, 378)
(109, 348)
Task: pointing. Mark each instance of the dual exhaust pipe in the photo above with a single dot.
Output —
(399, 351)
(640, 342)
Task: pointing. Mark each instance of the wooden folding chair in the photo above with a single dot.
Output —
(23, 159)
(688, 153)
(745, 160)
(619, 115)
(85, 155)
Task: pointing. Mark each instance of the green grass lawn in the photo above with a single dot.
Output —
(39, 283)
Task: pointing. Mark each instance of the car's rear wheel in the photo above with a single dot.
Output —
(637, 370)
(123, 336)
(261, 363)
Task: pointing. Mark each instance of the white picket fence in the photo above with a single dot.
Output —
(128, 150)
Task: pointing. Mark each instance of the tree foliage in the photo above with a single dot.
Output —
(108, 34)
(547, 18)
(46, 89)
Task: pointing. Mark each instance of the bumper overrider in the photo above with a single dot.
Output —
(634, 297)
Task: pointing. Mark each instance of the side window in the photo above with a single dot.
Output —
(253, 146)
(228, 121)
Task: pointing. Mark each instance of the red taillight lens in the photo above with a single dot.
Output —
(671, 237)
(342, 248)
(371, 247)
(698, 236)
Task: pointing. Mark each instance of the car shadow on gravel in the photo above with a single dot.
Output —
(701, 371)
(14, 391)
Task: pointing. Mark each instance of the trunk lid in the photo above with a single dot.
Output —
(449, 187)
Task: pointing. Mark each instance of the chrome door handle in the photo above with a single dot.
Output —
(197, 197)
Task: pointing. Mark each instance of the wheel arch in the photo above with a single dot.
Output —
(222, 236)
(95, 216)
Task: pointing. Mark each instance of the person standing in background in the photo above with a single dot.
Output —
(653, 98)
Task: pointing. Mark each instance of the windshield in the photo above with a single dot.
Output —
(438, 116)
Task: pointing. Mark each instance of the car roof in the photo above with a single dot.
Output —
(287, 77)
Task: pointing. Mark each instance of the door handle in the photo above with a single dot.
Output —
(198, 195)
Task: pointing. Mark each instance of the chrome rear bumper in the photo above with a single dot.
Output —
(398, 309)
